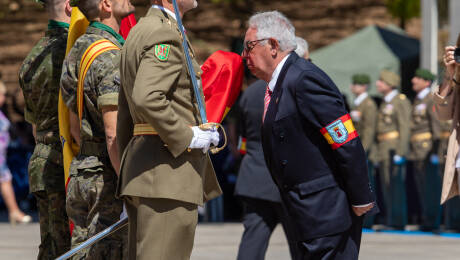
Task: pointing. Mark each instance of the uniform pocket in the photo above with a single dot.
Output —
(316, 185)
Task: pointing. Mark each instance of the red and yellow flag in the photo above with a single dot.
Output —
(222, 80)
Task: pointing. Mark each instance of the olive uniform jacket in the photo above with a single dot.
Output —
(425, 129)
(157, 92)
(448, 108)
(393, 119)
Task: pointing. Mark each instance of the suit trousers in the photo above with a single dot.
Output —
(160, 229)
(341, 246)
(259, 220)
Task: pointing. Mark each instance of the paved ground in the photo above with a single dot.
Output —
(220, 242)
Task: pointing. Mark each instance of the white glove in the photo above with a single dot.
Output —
(123, 214)
(202, 139)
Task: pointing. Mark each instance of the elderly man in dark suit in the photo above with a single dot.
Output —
(310, 145)
(255, 187)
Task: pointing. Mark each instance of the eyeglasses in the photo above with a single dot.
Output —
(249, 45)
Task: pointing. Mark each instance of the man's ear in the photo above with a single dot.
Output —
(68, 8)
(106, 6)
(274, 46)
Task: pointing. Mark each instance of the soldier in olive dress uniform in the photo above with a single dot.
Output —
(393, 133)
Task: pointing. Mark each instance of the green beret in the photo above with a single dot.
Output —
(390, 78)
(361, 79)
(425, 74)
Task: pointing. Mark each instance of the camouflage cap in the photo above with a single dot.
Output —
(425, 74)
(390, 78)
(361, 79)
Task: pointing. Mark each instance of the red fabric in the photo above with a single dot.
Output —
(222, 80)
(126, 24)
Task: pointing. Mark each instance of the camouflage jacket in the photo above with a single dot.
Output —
(39, 78)
(101, 86)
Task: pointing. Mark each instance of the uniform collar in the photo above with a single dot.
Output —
(422, 94)
(276, 73)
(53, 24)
(390, 96)
(360, 98)
(171, 13)
(108, 29)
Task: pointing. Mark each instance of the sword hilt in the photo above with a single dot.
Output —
(209, 126)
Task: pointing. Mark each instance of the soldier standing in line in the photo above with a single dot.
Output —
(393, 132)
(91, 202)
(39, 78)
(424, 145)
(364, 116)
(166, 171)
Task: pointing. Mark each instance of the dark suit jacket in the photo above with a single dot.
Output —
(318, 182)
(254, 179)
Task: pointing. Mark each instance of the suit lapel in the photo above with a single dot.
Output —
(278, 91)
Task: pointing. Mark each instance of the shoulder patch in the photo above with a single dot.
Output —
(162, 51)
(402, 96)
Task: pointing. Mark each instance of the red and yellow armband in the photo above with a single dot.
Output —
(339, 132)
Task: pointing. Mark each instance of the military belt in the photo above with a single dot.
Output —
(445, 135)
(388, 136)
(93, 148)
(421, 137)
(144, 129)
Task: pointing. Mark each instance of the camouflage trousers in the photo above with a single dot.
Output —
(92, 207)
(54, 224)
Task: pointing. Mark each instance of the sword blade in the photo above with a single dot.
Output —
(190, 68)
(94, 239)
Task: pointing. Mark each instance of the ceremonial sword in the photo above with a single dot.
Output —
(204, 126)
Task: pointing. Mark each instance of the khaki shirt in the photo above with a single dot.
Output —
(157, 91)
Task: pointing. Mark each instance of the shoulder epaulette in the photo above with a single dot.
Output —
(402, 96)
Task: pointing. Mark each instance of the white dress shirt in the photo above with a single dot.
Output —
(390, 96)
(360, 98)
(276, 73)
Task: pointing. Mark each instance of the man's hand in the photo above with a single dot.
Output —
(359, 211)
(202, 139)
(449, 60)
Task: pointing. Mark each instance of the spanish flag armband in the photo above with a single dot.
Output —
(339, 132)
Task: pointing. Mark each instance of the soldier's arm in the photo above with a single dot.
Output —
(444, 102)
(109, 116)
(107, 89)
(370, 123)
(155, 79)
(321, 104)
(403, 117)
(74, 127)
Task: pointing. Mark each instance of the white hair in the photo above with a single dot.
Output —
(302, 46)
(274, 25)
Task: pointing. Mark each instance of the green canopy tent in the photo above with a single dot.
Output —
(368, 51)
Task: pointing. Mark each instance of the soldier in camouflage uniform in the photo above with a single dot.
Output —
(424, 143)
(91, 202)
(393, 132)
(39, 78)
(364, 116)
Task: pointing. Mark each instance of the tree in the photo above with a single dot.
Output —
(404, 10)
